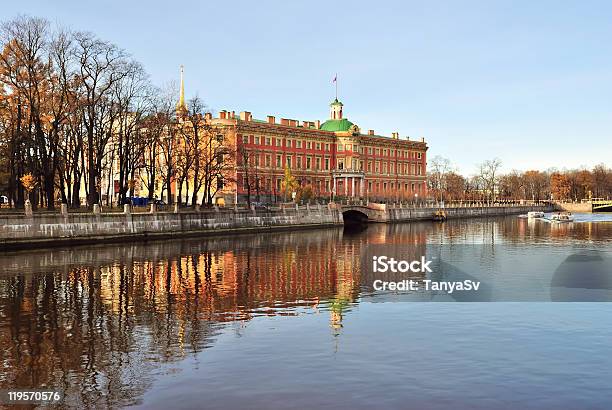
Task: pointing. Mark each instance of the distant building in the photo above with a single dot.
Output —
(334, 157)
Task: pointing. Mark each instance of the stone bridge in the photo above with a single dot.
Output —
(363, 213)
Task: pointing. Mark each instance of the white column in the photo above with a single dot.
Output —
(353, 187)
(345, 186)
(334, 188)
(362, 187)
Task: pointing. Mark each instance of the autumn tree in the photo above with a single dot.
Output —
(559, 186)
(34, 65)
(289, 185)
(304, 193)
(602, 181)
(455, 186)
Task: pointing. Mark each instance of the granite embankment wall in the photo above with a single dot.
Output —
(574, 206)
(414, 214)
(50, 230)
(44, 230)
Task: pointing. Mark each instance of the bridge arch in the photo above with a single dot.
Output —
(354, 217)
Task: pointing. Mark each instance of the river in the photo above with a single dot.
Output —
(291, 320)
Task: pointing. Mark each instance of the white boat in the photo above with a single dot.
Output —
(535, 214)
(562, 217)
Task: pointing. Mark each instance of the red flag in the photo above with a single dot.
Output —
(335, 78)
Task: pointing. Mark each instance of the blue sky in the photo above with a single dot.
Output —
(527, 82)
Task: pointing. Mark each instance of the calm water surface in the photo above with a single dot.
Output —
(288, 320)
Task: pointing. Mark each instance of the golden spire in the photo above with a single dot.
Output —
(181, 104)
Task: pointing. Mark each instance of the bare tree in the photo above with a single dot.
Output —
(488, 174)
(132, 99)
(155, 137)
(248, 165)
(100, 66)
(439, 168)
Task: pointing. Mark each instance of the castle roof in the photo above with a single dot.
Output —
(336, 125)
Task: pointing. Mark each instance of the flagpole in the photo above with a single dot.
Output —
(336, 86)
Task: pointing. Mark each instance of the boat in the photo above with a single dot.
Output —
(535, 214)
(562, 217)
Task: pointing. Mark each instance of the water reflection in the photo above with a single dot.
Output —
(98, 321)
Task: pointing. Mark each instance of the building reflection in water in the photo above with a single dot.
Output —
(93, 320)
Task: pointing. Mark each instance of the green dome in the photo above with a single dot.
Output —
(336, 125)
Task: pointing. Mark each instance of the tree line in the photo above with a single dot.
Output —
(488, 183)
(78, 113)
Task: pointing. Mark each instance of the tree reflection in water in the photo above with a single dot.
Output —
(99, 321)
